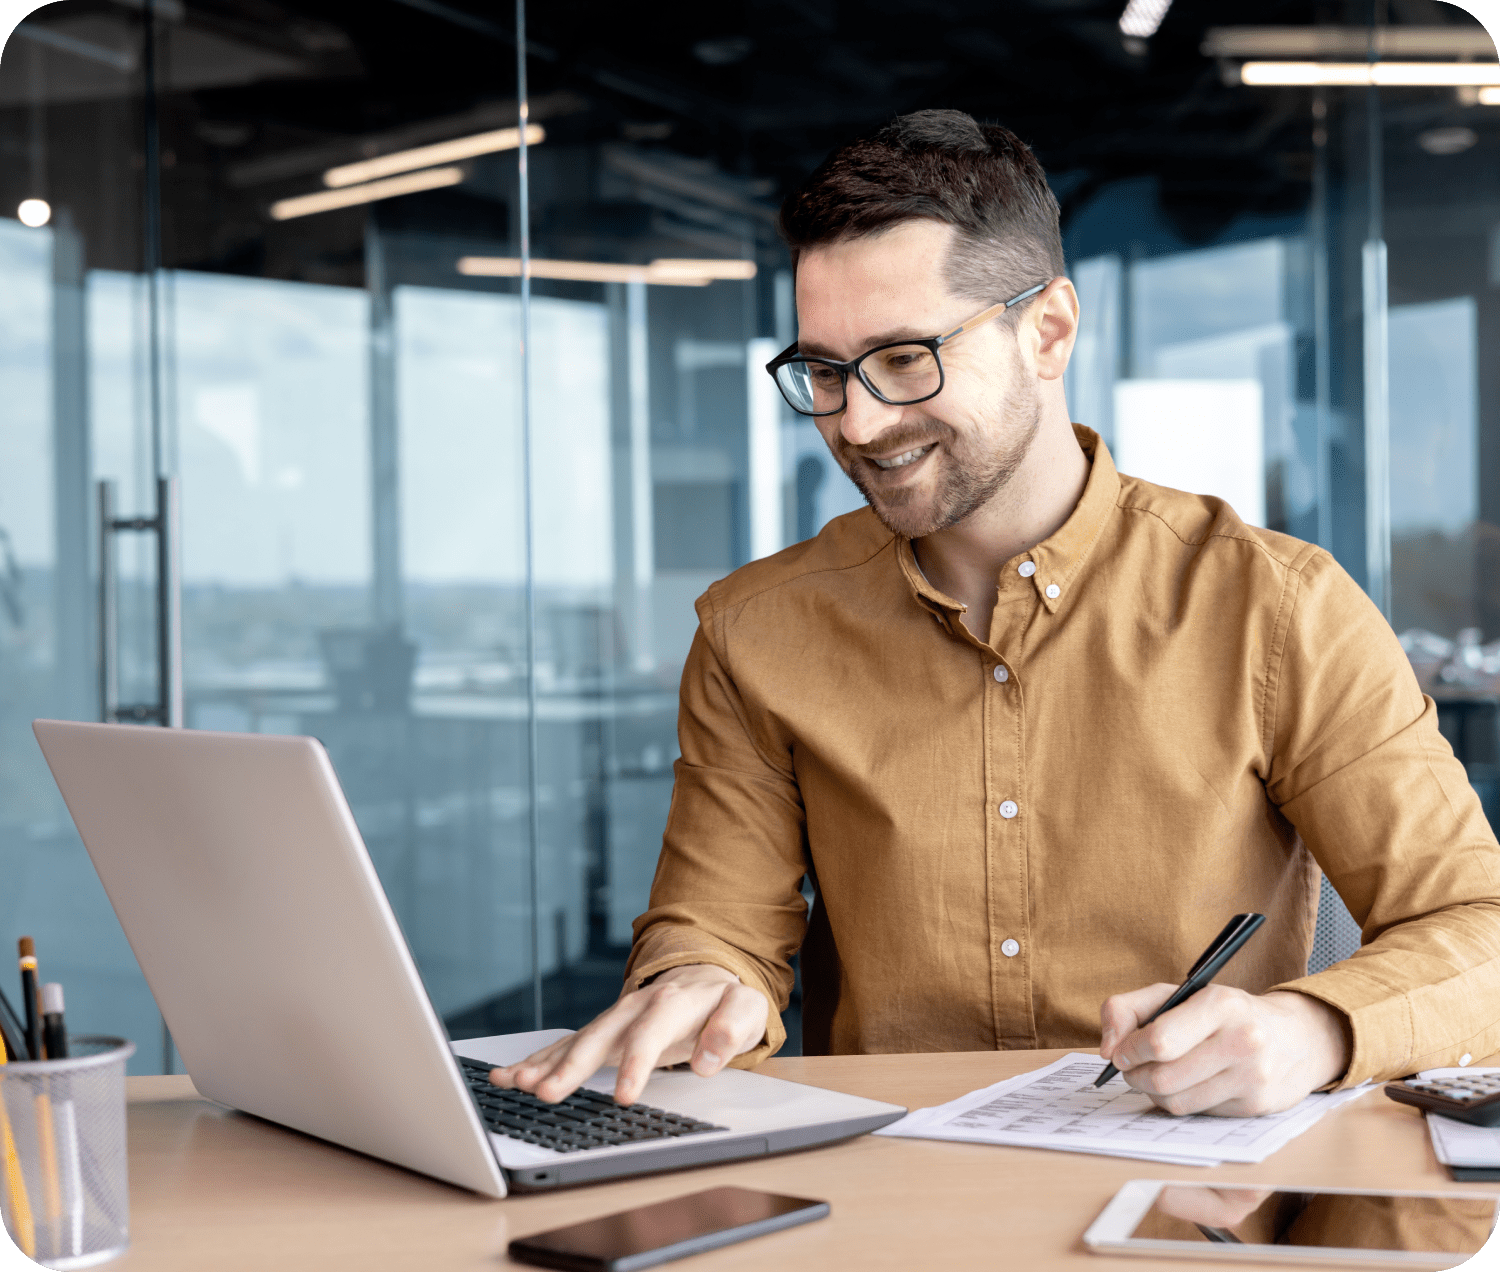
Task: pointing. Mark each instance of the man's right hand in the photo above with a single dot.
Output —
(700, 1013)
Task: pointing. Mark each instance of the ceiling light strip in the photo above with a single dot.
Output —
(668, 271)
(352, 196)
(1377, 74)
(1327, 43)
(485, 143)
(1142, 17)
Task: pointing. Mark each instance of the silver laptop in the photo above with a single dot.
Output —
(242, 883)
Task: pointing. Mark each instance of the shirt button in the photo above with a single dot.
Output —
(1010, 948)
(1053, 591)
(1465, 1060)
(1009, 809)
(1001, 674)
(1026, 569)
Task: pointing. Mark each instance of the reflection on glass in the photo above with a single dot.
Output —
(1348, 1221)
(340, 401)
(1435, 451)
(1213, 404)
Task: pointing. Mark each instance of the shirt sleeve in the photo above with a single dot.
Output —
(728, 883)
(1359, 768)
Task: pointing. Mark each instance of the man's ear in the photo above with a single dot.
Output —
(1051, 325)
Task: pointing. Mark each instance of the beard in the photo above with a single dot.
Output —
(973, 469)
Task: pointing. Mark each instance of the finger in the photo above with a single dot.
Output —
(1247, 1087)
(1221, 1207)
(1122, 1014)
(504, 1075)
(1170, 1078)
(737, 1025)
(1173, 1034)
(1223, 1094)
(527, 1073)
(592, 1046)
(674, 1019)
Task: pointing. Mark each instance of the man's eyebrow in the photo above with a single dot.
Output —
(815, 350)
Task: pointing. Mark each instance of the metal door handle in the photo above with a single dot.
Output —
(109, 634)
(168, 707)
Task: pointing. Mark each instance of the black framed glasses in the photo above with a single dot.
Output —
(899, 374)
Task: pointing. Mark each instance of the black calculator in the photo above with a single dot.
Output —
(1472, 1098)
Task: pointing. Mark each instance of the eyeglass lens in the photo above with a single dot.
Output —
(900, 374)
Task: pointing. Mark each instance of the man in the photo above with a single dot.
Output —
(1033, 729)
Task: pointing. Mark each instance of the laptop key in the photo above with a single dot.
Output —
(585, 1119)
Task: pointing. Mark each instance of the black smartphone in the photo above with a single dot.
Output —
(649, 1235)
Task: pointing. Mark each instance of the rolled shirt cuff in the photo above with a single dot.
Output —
(775, 1035)
(1391, 1032)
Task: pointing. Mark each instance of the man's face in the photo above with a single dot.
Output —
(925, 467)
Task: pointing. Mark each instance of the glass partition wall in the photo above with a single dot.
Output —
(281, 264)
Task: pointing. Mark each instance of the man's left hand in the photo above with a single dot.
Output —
(1224, 1051)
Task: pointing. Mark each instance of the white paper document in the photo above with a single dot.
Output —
(1463, 1144)
(1058, 1107)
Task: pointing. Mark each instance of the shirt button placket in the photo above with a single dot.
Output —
(1007, 834)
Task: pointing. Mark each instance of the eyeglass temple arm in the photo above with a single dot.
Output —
(993, 311)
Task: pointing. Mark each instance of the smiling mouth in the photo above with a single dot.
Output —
(908, 457)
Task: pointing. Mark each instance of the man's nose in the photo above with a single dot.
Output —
(866, 417)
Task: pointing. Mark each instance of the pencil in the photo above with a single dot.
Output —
(23, 1228)
(11, 1032)
(12, 1029)
(28, 998)
(46, 1143)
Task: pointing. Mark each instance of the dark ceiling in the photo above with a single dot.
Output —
(679, 121)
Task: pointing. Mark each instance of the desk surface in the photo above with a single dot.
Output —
(213, 1188)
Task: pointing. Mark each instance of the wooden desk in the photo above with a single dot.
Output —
(210, 1188)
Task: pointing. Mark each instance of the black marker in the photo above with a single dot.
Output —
(1210, 963)
(54, 1033)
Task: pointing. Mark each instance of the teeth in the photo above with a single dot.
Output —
(911, 456)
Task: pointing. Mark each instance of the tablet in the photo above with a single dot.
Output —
(1267, 1223)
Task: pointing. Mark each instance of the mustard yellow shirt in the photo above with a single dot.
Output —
(1176, 717)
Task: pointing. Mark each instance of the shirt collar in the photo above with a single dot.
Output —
(1059, 558)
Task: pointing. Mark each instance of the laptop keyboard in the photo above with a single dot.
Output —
(586, 1119)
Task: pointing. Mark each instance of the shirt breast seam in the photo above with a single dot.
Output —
(1270, 698)
(828, 569)
(1217, 534)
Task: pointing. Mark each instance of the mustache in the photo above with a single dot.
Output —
(894, 441)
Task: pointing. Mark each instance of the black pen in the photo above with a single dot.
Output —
(1210, 963)
(29, 1004)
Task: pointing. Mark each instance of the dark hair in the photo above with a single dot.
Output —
(939, 165)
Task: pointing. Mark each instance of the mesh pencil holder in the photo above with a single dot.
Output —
(62, 1154)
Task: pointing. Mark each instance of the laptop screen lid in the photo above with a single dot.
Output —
(243, 885)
